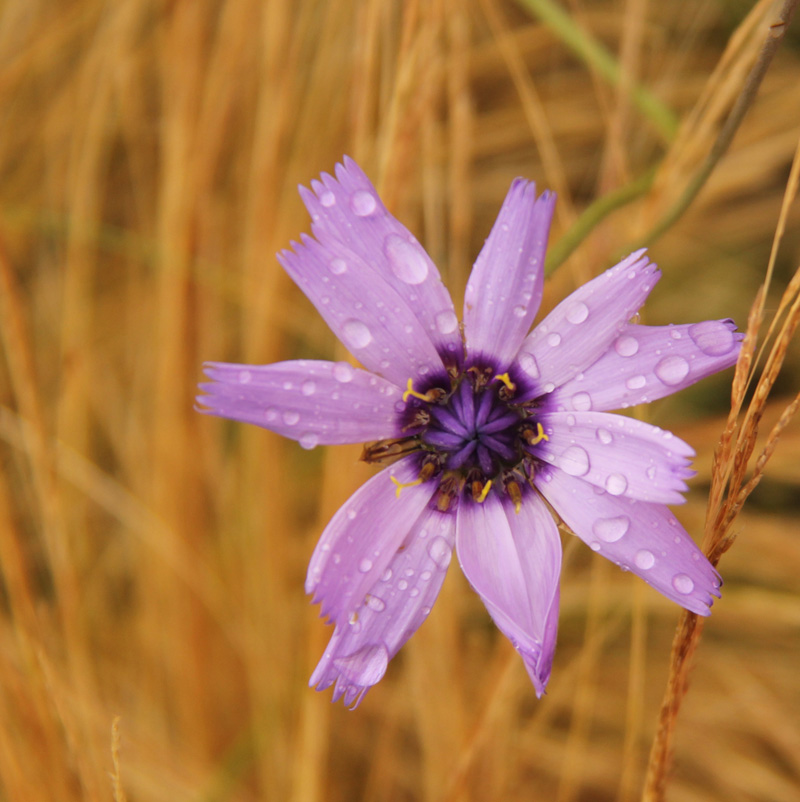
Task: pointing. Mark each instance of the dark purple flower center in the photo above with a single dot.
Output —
(470, 436)
(474, 430)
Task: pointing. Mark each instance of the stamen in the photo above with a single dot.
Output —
(516, 495)
(506, 379)
(480, 377)
(532, 439)
(384, 449)
(434, 394)
(402, 485)
(485, 492)
(449, 488)
(428, 469)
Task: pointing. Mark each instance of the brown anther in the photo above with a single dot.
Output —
(480, 377)
(435, 394)
(477, 489)
(386, 449)
(421, 419)
(428, 470)
(450, 486)
(529, 467)
(513, 490)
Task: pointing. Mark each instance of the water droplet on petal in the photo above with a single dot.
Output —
(651, 472)
(581, 402)
(626, 345)
(387, 575)
(683, 584)
(440, 552)
(365, 566)
(636, 382)
(672, 370)
(574, 461)
(554, 339)
(402, 584)
(374, 603)
(528, 364)
(594, 545)
(352, 513)
(365, 667)
(616, 484)
(611, 529)
(363, 203)
(309, 440)
(245, 376)
(327, 199)
(271, 414)
(712, 338)
(644, 559)
(356, 334)
(604, 436)
(290, 417)
(309, 387)
(446, 322)
(577, 313)
(337, 266)
(406, 260)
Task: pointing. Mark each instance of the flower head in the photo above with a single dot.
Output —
(482, 423)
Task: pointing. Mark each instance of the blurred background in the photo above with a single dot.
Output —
(155, 640)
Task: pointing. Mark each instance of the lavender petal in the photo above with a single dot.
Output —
(395, 607)
(513, 561)
(643, 538)
(649, 362)
(621, 455)
(505, 288)
(314, 402)
(350, 212)
(583, 326)
(362, 538)
(372, 320)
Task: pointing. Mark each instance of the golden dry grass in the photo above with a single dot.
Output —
(155, 642)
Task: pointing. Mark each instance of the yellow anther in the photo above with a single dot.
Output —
(485, 492)
(533, 439)
(410, 391)
(401, 485)
(506, 379)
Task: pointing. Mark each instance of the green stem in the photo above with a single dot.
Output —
(593, 215)
(593, 53)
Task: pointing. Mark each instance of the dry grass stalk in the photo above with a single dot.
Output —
(730, 483)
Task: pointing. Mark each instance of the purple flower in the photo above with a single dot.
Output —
(483, 423)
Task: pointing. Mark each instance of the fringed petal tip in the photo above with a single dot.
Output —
(351, 675)
(378, 624)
